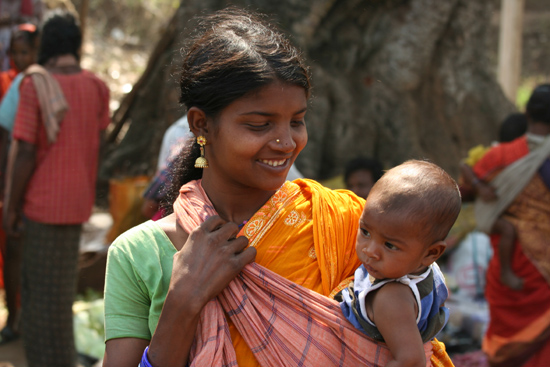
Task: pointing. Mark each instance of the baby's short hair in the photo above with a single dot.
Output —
(423, 191)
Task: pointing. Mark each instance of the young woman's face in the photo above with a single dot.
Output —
(22, 54)
(256, 139)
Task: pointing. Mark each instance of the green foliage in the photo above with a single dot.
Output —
(526, 88)
(523, 93)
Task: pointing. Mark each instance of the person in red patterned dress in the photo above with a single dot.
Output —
(52, 170)
(518, 333)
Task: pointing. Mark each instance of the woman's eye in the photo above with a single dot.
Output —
(298, 122)
(365, 233)
(390, 246)
(259, 125)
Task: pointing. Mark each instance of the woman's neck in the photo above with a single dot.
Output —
(235, 204)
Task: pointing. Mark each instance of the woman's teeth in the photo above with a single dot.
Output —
(273, 163)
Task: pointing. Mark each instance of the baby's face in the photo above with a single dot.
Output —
(390, 245)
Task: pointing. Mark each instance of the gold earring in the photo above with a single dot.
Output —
(201, 162)
(278, 141)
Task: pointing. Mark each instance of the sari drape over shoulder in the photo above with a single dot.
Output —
(519, 329)
(281, 317)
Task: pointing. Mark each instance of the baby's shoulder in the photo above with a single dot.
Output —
(392, 292)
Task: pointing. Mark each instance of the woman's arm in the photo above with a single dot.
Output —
(20, 167)
(206, 261)
(124, 352)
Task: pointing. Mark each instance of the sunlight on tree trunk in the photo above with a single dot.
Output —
(394, 79)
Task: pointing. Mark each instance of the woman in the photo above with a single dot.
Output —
(519, 330)
(50, 186)
(246, 90)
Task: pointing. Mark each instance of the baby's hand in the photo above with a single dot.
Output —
(486, 192)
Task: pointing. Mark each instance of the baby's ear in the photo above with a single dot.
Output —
(433, 252)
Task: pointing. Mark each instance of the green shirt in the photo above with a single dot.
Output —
(140, 264)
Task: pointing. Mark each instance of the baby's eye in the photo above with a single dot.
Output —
(365, 233)
(390, 246)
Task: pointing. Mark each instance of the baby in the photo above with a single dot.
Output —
(399, 292)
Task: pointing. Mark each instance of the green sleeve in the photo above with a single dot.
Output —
(127, 300)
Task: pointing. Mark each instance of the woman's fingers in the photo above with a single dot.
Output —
(247, 256)
(212, 223)
(214, 248)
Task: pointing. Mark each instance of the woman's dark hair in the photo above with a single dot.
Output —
(538, 106)
(60, 36)
(368, 164)
(513, 126)
(28, 33)
(235, 53)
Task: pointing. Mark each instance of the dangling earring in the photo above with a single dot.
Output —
(201, 162)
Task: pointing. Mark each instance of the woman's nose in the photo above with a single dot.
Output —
(284, 141)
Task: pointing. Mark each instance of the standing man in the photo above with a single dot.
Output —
(51, 178)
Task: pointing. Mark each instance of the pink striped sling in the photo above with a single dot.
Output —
(283, 323)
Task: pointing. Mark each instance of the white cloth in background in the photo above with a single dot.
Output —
(174, 139)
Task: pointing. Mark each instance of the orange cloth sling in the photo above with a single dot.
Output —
(305, 235)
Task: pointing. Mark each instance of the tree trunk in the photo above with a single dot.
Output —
(393, 79)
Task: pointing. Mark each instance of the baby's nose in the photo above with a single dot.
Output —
(371, 252)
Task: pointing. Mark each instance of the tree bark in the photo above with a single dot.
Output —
(393, 79)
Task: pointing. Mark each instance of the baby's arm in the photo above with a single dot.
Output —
(394, 311)
(482, 189)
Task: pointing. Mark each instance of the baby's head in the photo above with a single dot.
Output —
(406, 219)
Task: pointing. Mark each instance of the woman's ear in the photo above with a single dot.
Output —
(434, 252)
(197, 121)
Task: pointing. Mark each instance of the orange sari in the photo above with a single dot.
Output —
(306, 233)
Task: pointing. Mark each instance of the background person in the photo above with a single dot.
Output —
(361, 174)
(52, 172)
(12, 13)
(513, 127)
(23, 53)
(519, 327)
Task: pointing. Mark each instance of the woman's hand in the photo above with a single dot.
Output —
(209, 260)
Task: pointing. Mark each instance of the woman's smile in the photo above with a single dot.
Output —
(281, 163)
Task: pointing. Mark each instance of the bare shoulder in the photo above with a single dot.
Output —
(389, 298)
(175, 233)
(394, 291)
